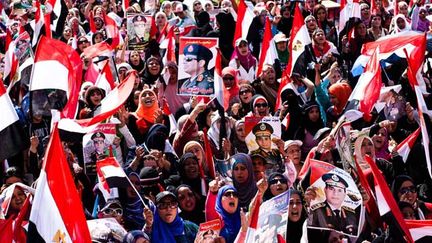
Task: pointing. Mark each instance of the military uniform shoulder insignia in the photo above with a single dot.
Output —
(348, 209)
(318, 205)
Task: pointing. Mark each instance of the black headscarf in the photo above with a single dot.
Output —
(156, 137)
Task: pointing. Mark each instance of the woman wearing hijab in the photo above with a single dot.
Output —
(203, 25)
(133, 207)
(168, 226)
(246, 93)
(296, 217)
(144, 117)
(338, 94)
(285, 23)
(195, 148)
(225, 206)
(192, 174)
(311, 123)
(243, 178)
(404, 190)
(161, 25)
(381, 143)
(191, 204)
(93, 98)
(243, 60)
(231, 88)
(399, 24)
(419, 20)
(152, 70)
(166, 7)
(323, 50)
(328, 27)
(277, 184)
(351, 48)
(136, 62)
(238, 137)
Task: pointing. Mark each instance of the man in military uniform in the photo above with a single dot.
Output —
(263, 132)
(99, 153)
(138, 24)
(330, 213)
(195, 62)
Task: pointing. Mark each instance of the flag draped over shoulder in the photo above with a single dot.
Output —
(57, 213)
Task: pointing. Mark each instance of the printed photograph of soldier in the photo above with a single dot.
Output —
(263, 137)
(137, 32)
(195, 63)
(99, 151)
(330, 213)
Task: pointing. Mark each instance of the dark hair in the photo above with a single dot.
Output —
(13, 172)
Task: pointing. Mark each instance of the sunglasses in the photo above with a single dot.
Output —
(245, 92)
(111, 211)
(228, 78)
(196, 4)
(405, 190)
(165, 205)
(275, 181)
(263, 105)
(190, 59)
(231, 194)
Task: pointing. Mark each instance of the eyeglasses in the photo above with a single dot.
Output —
(228, 78)
(405, 190)
(259, 105)
(230, 194)
(280, 180)
(245, 92)
(165, 205)
(111, 211)
(189, 59)
(196, 4)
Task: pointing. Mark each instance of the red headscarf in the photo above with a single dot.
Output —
(342, 92)
(145, 115)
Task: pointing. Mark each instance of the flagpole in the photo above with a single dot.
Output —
(115, 68)
(136, 191)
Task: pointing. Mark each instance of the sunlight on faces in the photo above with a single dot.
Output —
(335, 195)
(278, 185)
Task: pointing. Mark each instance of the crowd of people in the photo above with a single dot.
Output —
(173, 188)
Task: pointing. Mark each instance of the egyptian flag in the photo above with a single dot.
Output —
(209, 155)
(219, 85)
(172, 120)
(12, 230)
(421, 230)
(105, 80)
(367, 90)
(7, 195)
(59, 91)
(99, 49)
(425, 136)
(109, 106)
(169, 43)
(112, 31)
(39, 27)
(11, 63)
(125, 5)
(254, 209)
(110, 174)
(387, 205)
(13, 138)
(348, 9)
(415, 60)
(57, 212)
(297, 43)
(58, 16)
(404, 148)
(245, 16)
(268, 50)
(314, 170)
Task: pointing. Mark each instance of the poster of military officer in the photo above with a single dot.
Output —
(197, 58)
(337, 205)
(96, 146)
(138, 31)
(262, 136)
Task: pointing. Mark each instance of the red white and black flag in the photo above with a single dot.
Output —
(59, 91)
(12, 136)
(57, 213)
